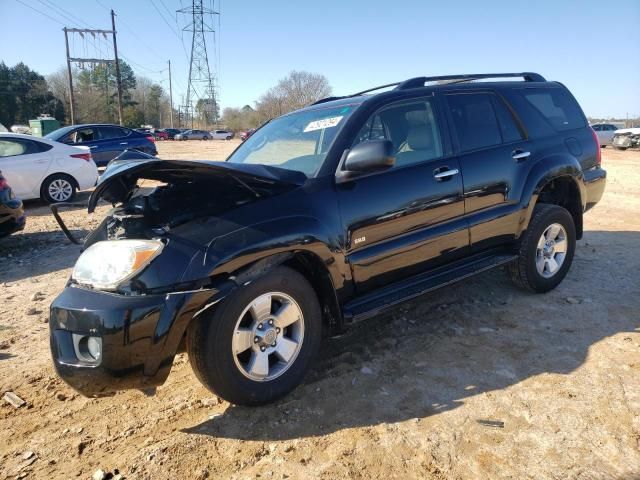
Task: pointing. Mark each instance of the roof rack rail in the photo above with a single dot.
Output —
(418, 82)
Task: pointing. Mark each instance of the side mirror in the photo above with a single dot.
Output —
(367, 157)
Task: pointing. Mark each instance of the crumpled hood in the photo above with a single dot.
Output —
(632, 131)
(118, 182)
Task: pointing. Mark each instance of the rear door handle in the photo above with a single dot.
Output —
(518, 155)
(124, 143)
(444, 174)
(41, 161)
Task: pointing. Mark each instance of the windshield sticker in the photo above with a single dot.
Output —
(324, 123)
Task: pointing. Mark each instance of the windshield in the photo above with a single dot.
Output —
(59, 133)
(298, 141)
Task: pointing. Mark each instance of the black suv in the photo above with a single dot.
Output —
(324, 216)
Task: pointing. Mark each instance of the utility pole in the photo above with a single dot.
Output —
(71, 97)
(170, 97)
(118, 78)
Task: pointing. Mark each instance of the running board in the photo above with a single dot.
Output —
(373, 303)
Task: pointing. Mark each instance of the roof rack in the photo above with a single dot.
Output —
(418, 82)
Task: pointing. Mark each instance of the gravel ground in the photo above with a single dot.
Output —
(478, 380)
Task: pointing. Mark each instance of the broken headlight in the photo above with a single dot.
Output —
(105, 265)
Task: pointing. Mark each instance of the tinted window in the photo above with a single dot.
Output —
(474, 120)
(107, 133)
(411, 128)
(556, 106)
(508, 127)
(597, 128)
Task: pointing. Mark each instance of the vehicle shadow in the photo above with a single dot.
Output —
(430, 355)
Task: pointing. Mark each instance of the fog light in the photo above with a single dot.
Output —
(88, 349)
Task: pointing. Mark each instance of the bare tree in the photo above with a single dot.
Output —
(296, 90)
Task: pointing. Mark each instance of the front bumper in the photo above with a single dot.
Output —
(595, 180)
(139, 336)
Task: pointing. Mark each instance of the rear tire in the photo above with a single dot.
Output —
(546, 249)
(58, 188)
(257, 345)
(228, 138)
(205, 138)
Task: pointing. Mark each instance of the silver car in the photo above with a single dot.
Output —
(605, 132)
(193, 135)
(222, 135)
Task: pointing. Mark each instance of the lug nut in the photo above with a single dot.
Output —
(273, 344)
(259, 326)
(262, 349)
(256, 339)
(270, 322)
(277, 329)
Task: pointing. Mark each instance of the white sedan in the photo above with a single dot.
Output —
(36, 167)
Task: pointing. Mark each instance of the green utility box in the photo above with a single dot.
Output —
(42, 126)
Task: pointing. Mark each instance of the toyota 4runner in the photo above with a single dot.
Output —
(323, 217)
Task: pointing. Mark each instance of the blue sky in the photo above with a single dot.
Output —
(593, 47)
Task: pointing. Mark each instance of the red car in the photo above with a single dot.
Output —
(161, 134)
(247, 134)
(12, 217)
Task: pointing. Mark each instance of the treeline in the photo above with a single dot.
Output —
(296, 90)
(25, 94)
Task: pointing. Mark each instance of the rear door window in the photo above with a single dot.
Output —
(556, 106)
(474, 120)
(508, 126)
(107, 133)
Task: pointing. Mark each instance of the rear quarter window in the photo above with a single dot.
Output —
(556, 107)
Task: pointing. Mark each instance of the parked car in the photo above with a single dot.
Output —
(12, 217)
(193, 135)
(172, 132)
(626, 138)
(324, 217)
(160, 134)
(37, 167)
(105, 141)
(605, 132)
(222, 135)
(246, 134)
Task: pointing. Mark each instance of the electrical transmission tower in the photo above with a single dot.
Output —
(201, 83)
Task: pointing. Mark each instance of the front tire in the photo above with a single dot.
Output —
(546, 249)
(58, 188)
(257, 345)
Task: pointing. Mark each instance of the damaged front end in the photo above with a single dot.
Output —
(626, 138)
(144, 273)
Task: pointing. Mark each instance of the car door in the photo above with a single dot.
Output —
(408, 218)
(24, 163)
(494, 157)
(88, 137)
(113, 141)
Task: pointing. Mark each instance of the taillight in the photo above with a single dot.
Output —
(598, 149)
(84, 156)
(150, 138)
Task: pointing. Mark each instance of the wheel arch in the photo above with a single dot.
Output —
(557, 180)
(68, 175)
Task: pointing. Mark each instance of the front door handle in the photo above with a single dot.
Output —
(124, 143)
(93, 146)
(519, 155)
(441, 174)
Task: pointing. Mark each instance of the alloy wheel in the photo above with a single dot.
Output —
(551, 250)
(268, 336)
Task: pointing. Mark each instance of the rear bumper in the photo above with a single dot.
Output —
(595, 181)
(139, 337)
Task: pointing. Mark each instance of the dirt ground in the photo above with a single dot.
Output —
(478, 380)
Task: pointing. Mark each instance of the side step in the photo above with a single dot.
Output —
(373, 303)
